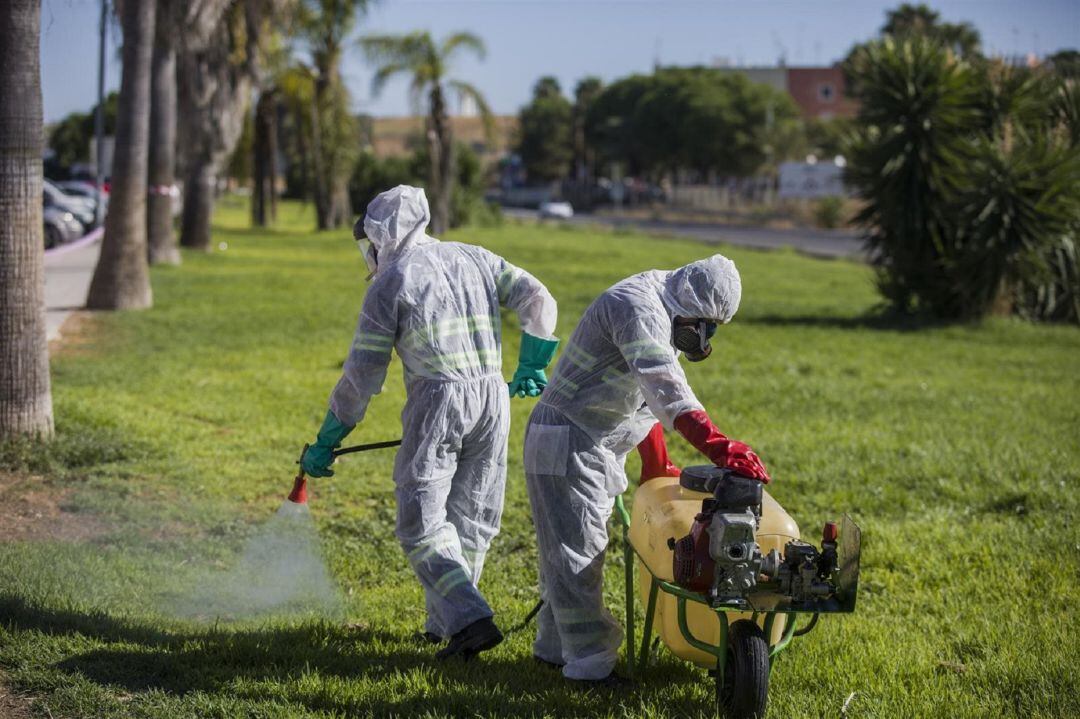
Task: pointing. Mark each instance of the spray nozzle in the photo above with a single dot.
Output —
(298, 495)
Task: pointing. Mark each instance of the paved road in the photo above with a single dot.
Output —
(817, 243)
(68, 270)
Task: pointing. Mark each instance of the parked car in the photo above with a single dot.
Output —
(88, 173)
(85, 190)
(80, 207)
(556, 210)
(60, 227)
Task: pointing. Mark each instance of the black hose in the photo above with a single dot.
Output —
(367, 447)
(528, 618)
(807, 628)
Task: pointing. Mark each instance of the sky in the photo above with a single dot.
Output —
(570, 39)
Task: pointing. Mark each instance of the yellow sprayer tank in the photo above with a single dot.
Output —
(662, 510)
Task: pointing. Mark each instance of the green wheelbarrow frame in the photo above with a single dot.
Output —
(682, 596)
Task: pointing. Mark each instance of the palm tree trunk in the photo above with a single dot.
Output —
(200, 184)
(25, 395)
(213, 91)
(122, 277)
(264, 194)
(318, 160)
(440, 151)
(159, 203)
(340, 205)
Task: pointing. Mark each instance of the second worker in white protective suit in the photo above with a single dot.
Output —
(618, 375)
(437, 304)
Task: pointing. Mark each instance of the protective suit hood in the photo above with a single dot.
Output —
(708, 289)
(394, 223)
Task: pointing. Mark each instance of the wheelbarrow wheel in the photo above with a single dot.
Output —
(745, 687)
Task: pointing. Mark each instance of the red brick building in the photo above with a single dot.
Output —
(818, 91)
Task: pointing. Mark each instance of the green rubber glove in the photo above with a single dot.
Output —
(319, 456)
(529, 379)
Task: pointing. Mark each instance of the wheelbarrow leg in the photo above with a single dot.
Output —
(650, 611)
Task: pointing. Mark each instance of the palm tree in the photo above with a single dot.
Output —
(265, 151)
(216, 70)
(25, 396)
(585, 93)
(324, 25)
(122, 276)
(162, 159)
(214, 94)
(427, 63)
(921, 21)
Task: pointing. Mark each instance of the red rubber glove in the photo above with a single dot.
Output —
(654, 457)
(721, 451)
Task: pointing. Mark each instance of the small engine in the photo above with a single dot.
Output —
(720, 557)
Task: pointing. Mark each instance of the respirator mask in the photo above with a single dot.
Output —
(367, 249)
(691, 337)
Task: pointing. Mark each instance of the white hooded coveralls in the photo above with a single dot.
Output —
(437, 304)
(617, 376)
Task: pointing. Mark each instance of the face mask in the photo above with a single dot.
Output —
(691, 337)
(371, 255)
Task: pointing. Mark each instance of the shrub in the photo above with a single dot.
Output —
(373, 175)
(829, 212)
(968, 171)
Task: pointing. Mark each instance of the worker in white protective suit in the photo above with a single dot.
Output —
(437, 304)
(617, 376)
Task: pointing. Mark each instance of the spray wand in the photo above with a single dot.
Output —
(298, 495)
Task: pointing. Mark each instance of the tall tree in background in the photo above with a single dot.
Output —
(911, 22)
(25, 396)
(1065, 63)
(297, 91)
(324, 25)
(71, 138)
(427, 63)
(586, 91)
(122, 276)
(546, 142)
(215, 75)
(162, 153)
(265, 152)
(970, 179)
(919, 20)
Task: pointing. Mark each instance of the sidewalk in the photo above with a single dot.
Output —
(68, 270)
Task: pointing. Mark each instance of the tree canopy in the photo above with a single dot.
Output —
(546, 141)
(686, 118)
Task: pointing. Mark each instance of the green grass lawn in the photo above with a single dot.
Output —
(957, 449)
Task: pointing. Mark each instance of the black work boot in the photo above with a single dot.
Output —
(427, 638)
(612, 682)
(479, 636)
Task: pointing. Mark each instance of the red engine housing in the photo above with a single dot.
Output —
(693, 566)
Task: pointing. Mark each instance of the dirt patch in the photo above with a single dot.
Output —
(78, 336)
(12, 705)
(32, 509)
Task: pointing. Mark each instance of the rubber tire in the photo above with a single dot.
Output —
(745, 691)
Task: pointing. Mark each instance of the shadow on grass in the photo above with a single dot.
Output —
(385, 673)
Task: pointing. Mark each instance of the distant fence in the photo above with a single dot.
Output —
(726, 195)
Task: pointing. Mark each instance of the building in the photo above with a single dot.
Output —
(818, 91)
